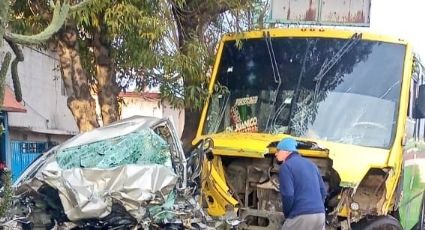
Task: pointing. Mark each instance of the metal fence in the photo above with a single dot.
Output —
(23, 154)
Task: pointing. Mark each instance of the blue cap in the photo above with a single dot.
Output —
(287, 144)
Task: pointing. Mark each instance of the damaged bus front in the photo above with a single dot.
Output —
(346, 97)
(130, 174)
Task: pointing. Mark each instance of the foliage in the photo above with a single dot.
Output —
(6, 198)
(192, 65)
(137, 31)
(60, 12)
(166, 43)
(59, 15)
(224, 17)
(159, 59)
(143, 43)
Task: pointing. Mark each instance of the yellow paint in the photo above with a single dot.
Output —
(395, 159)
(350, 161)
(344, 211)
(215, 190)
(313, 32)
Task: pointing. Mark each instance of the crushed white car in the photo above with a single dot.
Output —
(130, 174)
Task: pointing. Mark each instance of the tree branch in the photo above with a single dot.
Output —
(3, 72)
(73, 8)
(59, 16)
(19, 57)
(80, 5)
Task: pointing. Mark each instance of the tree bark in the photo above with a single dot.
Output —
(191, 122)
(107, 87)
(80, 101)
(187, 24)
(192, 20)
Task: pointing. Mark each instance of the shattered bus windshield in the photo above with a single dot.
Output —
(320, 88)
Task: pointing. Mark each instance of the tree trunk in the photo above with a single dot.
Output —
(187, 25)
(192, 19)
(106, 84)
(191, 121)
(80, 101)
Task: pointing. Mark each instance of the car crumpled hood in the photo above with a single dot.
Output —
(89, 193)
(126, 163)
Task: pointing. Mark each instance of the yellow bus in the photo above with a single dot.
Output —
(352, 100)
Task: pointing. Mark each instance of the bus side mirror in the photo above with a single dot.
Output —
(420, 103)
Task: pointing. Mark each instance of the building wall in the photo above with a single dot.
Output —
(43, 94)
(141, 106)
(177, 115)
(137, 104)
(48, 119)
(24, 135)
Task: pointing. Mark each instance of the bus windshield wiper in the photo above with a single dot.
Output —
(276, 75)
(296, 91)
(328, 64)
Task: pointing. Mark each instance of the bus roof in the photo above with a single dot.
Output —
(320, 32)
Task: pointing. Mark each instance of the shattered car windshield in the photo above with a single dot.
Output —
(341, 90)
(141, 147)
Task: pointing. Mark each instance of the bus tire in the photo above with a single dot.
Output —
(379, 223)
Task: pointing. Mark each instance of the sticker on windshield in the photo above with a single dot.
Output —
(242, 115)
(246, 101)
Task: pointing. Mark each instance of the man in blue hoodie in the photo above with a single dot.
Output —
(302, 189)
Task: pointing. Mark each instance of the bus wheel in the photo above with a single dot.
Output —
(379, 223)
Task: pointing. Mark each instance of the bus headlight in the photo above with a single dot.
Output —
(354, 206)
